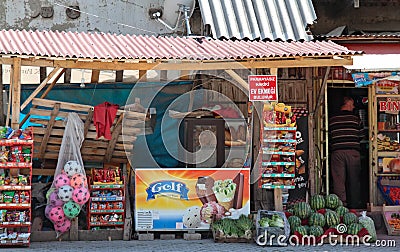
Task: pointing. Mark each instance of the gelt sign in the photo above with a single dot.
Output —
(263, 88)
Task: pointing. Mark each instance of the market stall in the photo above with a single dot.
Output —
(121, 59)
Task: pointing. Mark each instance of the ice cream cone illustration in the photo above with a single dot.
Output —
(204, 189)
(224, 191)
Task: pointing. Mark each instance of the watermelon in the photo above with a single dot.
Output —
(317, 202)
(354, 228)
(349, 218)
(291, 211)
(341, 210)
(301, 229)
(316, 219)
(302, 210)
(294, 221)
(332, 201)
(316, 231)
(332, 219)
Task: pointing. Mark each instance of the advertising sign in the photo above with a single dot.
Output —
(263, 88)
(182, 198)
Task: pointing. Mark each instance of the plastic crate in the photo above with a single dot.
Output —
(269, 231)
(385, 190)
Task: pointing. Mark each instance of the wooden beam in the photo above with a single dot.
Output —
(40, 87)
(87, 123)
(49, 128)
(119, 76)
(82, 107)
(9, 98)
(67, 76)
(95, 76)
(45, 93)
(278, 199)
(321, 90)
(273, 71)
(209, 65)
(239, 79)
(142, 75)
(114, 137)
(16, 93)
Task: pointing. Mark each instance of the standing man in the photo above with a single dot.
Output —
(346, 132)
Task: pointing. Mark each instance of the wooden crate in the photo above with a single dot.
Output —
(222, 239)
(387, 212)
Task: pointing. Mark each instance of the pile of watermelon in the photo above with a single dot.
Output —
(322, 216)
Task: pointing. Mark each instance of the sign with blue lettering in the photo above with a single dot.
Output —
(167, 187)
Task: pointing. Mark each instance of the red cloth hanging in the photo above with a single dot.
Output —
(103, 118)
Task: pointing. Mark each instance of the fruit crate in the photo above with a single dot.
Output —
(262, 231)
(387, 212)
(390, 189)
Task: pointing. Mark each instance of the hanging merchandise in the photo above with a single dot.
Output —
(103, 118)
(69, 191)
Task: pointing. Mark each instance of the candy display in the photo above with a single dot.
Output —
(109, 175)
(16, 150)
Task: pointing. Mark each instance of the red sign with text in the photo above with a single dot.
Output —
(263, 88)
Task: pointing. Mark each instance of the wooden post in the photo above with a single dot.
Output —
(1, 96)
(67, 76)
(119, 76)
(49, 128)
(142, 75)
(73, 231)
(278, 199)
(128, 211)
(16, 92)
(95, 76)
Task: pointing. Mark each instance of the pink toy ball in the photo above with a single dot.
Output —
(61, 180)
(62, 227)
(47, 211)
(78, 180)
(54, 200)
(80, 195)
(56, 215)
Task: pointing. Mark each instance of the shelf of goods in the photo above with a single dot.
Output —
(278, 157)
(385, 148)
(106, 208)
(15, 192)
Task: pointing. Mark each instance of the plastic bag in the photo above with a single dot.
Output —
(368, 224)
(69, 191)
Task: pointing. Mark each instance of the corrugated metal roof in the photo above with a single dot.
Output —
(259, 19)
(111, 46)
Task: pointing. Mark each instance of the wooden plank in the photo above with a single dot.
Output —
(206, 65)
(128, 211)
(16, 93)
(39, 88)
(239, 79)
(81, 107)
(43, 172)
(9, 98)
(67, 76)
(49, 128)
(87, 123)
(142, 75)
(114, 136)
(119, 76)
(95, 76)
(278, 199)
(45, 93)
(73, 231)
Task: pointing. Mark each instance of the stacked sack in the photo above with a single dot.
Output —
(67, 195)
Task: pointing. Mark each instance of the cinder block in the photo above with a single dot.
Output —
(146, 237)
(190, 237)
(167, 236)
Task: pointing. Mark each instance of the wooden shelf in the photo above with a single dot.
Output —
(278, 175)
(9, 165)
(388, 153)
(277, 186)
(106, 211)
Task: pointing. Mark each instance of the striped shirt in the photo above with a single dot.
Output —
(345, 131)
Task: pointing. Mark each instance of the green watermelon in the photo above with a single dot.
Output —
(301, 229)
(332, 201)
(316, 231)
(294, 221)
(316, 219)
(302, 210)
(349, 218)
(317, 202)
(291, 210)
(354, 228)
(341, 210)
(332, 219)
